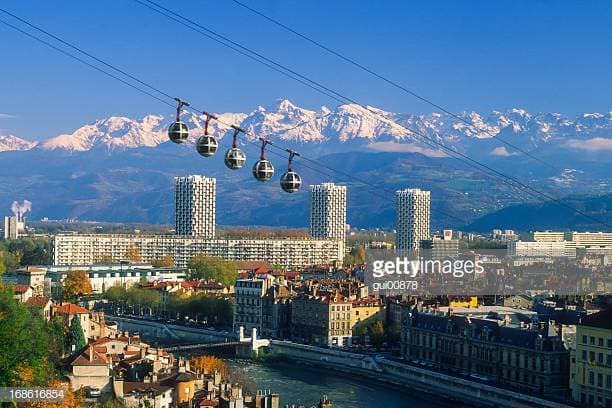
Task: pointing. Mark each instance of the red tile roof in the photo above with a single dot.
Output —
(38, 301)
(70, 308)
(88, 356)
(21, 289)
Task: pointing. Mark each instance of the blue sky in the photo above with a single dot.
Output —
(476, 55)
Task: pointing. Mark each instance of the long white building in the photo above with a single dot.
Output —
(194, 205)
(547, 249)
(87, 249)
(328, 211)
(413, 217)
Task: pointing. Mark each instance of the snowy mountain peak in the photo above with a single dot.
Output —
(361, 127)
(13, 143)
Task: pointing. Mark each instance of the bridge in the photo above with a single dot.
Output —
(246, 347)
(199, 346)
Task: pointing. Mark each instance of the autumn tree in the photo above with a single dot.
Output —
(164, 262)
(76, 339)
(71, 398)
(209, 267)
(208, 365)
(133, 254)
(76, 284)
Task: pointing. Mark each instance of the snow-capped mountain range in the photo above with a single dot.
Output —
(351, 126)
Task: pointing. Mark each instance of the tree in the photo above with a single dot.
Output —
(165, 262)
(76, 284)
(24, 344)
(208, 267)
(71, 398)
(394, 333)
(208, 365)
(76, 338)
(376, 332)
(133, 254)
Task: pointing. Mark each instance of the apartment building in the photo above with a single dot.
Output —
(500, 347)
(87, 249)
(412, 218)
(591, 371)
(195, 198)
(324, 320)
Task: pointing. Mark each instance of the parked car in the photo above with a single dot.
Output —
(93, 392)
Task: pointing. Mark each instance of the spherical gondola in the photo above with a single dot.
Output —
(291, 181)
(263, 170)
(178, 132)
(207, 144)
(234, 157)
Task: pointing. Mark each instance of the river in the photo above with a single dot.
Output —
(297, 383)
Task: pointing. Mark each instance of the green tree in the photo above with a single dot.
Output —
(394, 334)
(24, 344)
(208, 267)
(76, 338)
(376, 332)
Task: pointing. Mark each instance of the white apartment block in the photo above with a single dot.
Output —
(551, 249)
(548, 236)
(592, 239)
(412, 222)
(328, 211)
(87, 249)
(195, 206)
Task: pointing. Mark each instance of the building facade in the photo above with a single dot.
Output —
(592, 239)
(412, 222)
(195, 198)
(328, 211)
(88, 249)
(548, 249)
(529, 357)
(262, 304)
(322, 320)
(591, 372)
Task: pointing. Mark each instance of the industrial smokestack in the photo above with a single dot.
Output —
(20, 209)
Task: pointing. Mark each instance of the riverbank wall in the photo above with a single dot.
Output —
(405, 376)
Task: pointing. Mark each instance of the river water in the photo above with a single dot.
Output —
(297, 383)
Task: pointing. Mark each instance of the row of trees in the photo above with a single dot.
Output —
(378, 332)
(209, 267)
(24, 251)
(141, 301)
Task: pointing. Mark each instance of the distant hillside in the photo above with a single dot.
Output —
(550, 216)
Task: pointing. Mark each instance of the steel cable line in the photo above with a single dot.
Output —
(388, 81)
(165, 94)
(365, 183)
(343, 99)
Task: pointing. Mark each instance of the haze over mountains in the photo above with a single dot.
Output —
(121, 169)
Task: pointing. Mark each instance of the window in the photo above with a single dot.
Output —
(591, 378)
(584, 355)
(600, 342)
(600, 380)
(584, 339)
(592, 340)
(610, 343)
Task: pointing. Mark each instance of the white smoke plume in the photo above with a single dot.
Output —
(20, 209)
